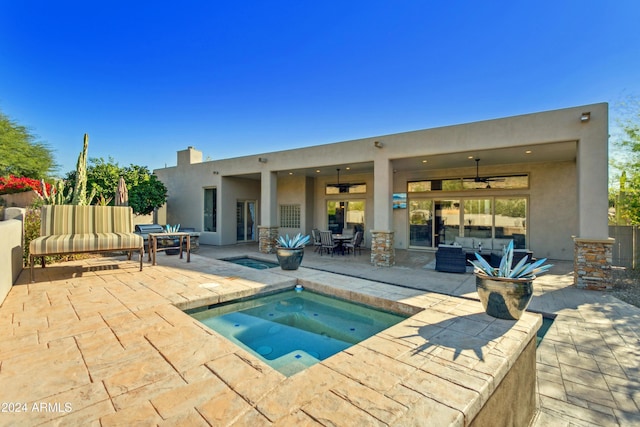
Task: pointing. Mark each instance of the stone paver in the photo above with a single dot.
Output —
(108, 339)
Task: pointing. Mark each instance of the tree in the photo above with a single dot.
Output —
(21, 154)
(627, 164)
(146, 193)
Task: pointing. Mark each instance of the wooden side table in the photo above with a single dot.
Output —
(153, 244)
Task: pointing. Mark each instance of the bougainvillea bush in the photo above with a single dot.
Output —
(18, 184)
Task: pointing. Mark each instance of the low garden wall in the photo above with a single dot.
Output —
(10, 249)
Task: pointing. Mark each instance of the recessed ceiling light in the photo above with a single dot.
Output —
(348, 168)
(424, 161)
(470, 157)
(528, 152)
(290, 173)
(318, 170)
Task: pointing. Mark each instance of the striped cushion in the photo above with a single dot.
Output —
(89, 242)
(73, 219)
(72, 228)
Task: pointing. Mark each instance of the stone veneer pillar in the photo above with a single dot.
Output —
(592, 263)
(267, 239)
(383, 253)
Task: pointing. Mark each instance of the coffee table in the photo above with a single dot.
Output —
(153, 244)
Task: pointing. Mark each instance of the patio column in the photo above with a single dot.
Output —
(592, 245)
(383, 253)
(268, 228)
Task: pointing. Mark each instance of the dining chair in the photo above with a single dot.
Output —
(328, 243)
(355, 243)
(317, 243)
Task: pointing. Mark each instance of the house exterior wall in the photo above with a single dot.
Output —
(553, 209)
(567, 197)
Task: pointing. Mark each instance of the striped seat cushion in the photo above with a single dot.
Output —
(90, 242)
(73, 228)
(74, 219)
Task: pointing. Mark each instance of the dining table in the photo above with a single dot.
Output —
(341, 239)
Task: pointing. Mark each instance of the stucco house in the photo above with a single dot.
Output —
(539, 179)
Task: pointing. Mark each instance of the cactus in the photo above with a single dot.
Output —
(80, 190)
(57, 196)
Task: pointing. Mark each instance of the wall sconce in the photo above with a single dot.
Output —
(378, 144)
(585, 117)
(262, 159)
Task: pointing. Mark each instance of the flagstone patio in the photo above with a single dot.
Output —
(99, 342)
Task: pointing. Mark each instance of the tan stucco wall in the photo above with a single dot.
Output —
(566, 198)
(292, 190)
(553, 210)
(10, 254)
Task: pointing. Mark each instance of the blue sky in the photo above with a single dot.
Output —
(145, 79)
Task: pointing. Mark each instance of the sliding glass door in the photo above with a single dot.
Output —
(245, 220)
(439, 221)
(345, 216)
(433, 221)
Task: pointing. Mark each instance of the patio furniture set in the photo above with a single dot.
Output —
(325, 241)
(454, 258)
(72, 229)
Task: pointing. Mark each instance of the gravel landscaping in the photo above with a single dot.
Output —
(626, 285)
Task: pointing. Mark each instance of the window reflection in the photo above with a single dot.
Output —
(511, 220)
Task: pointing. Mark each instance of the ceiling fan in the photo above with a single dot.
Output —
(342, 188)
(479, 179)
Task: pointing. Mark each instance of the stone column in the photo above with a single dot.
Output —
(383, 253)
(592, 263)
(267, 239)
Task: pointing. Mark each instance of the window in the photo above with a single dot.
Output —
(210, 209)
(478, 218)
(345, 216)
(434, 221)
(511, 220)
(459, 184)
(290, 216)
(346, 188)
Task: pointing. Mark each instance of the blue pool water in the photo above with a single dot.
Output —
(546, 324)
(253, 263)
(292, 330)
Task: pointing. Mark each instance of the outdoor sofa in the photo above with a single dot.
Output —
(69, 229)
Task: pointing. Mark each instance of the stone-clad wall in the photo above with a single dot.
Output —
(592, 263)
(267, 239)
(383, 253)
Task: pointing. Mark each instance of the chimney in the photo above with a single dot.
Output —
(189, 156)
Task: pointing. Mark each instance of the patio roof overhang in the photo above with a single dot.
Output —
(533, 153)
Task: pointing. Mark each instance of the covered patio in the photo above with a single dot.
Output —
(539, 179)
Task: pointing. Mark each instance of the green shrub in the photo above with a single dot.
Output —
(32, 231)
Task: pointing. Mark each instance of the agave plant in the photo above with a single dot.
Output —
(172, 228)
(293, 243)
(522, 270)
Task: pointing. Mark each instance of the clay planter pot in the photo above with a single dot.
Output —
(503, 297)
(289, 258)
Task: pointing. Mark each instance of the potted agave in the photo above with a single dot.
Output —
(290, 251)
(505, 291)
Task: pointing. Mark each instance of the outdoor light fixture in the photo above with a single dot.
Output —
(216, 172)
(585, 117)
(378, 144)
(262, 159)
